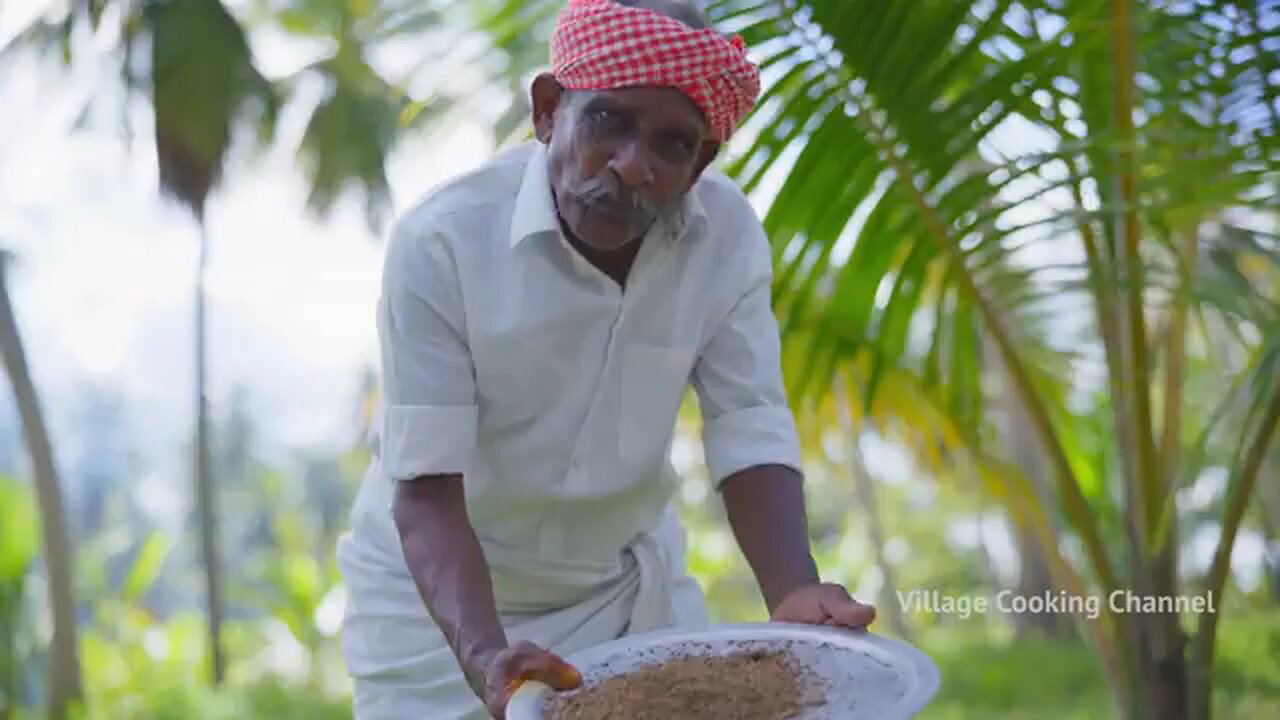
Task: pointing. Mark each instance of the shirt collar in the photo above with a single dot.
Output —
(535, 208)
(693, 216)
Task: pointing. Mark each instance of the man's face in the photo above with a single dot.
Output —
(618, 159)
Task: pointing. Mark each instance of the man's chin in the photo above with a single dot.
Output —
(607, 235)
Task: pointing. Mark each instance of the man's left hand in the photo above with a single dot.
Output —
(824, 604)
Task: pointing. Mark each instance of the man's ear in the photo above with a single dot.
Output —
(546, 94)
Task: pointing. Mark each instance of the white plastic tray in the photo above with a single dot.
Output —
(868, 677)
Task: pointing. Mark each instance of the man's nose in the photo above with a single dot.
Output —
(632, 165)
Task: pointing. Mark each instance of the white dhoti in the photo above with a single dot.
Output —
(398, 659)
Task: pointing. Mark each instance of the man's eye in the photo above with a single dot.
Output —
(605, 119)
(678, 146)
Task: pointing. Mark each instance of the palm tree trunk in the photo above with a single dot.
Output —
(1269, 512)
(205, 496)
(64, 675)
(1159, 646)
(1238, 495)
(864, 489)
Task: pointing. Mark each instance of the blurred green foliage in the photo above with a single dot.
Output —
(144, 663)
(19, 540)
(141, 668)
(145, 653)
(990, 680)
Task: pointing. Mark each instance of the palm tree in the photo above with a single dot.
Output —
(64, 676)
(881, 109)
(1080, 185)
(203, 84)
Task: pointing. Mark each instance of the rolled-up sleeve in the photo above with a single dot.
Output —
(738, 380)
(429, 405)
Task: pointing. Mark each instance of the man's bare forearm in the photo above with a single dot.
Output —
(449, 568)
(765, 505)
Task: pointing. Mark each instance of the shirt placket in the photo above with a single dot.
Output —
(625, 304)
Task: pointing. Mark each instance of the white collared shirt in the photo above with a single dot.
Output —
(508, 358)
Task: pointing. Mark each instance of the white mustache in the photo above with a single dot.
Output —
(629, 202)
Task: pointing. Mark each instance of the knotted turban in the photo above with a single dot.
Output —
(601, 45)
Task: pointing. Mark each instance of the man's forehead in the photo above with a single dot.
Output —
(664, 103)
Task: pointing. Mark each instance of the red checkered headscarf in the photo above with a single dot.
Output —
(601, 45)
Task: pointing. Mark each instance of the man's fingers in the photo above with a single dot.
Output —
(561, 675)
(840, 607)
(534, 663)
(854, 614)
(525, 661)
(521, 663)
(551, 669)
(828, 604)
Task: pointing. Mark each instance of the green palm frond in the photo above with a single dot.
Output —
(960, 179)
(203, 82)
(350, 135)
(362, 114)
(198, 91)
(884, 130)
(1239, 279)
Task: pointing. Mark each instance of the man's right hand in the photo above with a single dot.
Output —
(522, 662)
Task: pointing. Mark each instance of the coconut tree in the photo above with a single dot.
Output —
(1118, 141)
(64, 678)
(192, 60)
(1085, 188)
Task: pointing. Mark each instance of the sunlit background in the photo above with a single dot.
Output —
(102, 278)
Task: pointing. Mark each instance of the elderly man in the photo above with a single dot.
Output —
(540, 321)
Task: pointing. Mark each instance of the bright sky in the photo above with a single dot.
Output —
(103, 279)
